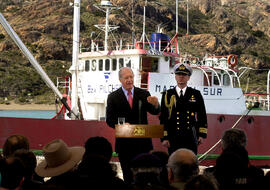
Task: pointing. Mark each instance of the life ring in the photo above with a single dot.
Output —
(232, 60)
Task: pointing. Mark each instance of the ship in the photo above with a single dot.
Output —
(94, 74)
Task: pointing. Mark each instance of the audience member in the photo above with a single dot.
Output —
(146, 169)
(163, 156)
(12, 173)
(99, 146)
(59, 163)
(29, 160)
(233, 169)
(182, 165)
(233, 138)
(13, 143)
(266, 180)
(96, 173)
(202, 182)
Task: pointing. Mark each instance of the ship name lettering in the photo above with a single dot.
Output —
(212, 91)
(159, 88)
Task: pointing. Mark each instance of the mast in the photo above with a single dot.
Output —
(132, 17)
(143, 34)
(75, 51)
(176, 16)
(107, 7)
(183, 1)
(187, 20)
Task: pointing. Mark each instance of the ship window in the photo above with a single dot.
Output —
(149, 64)
(129, 63)
(100, 65)
(107, 65)
(121, 63)
(87, 65)
(94, 65)
(114, 64)
(209, 74)
(154, 66)
(216, 82)
(226, 80)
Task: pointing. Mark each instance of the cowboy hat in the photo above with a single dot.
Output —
(59, 158)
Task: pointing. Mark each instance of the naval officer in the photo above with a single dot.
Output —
(183, 113)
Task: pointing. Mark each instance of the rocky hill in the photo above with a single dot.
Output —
(217, 27)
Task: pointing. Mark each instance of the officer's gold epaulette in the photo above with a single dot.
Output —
(203, 130)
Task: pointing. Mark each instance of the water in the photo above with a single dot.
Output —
(41, 114)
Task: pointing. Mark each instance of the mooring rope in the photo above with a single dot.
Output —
(203, 156)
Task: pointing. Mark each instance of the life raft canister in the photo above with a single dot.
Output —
(232, 60)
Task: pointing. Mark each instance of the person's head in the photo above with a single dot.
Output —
(29, 160)
(59, 158)
(96, 172)
(146, 168)
(202, 182)
(13, 143)
(182, 165)
(12, 173)
(126, 77)
(162, 155)
(95, 167)
(100, 146)
(182, 74)
(233, 137)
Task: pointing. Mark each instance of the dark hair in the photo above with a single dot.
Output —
(13, 143)
(234, 137)
(29, 160)
(98, 146)
(146, 160)
(12, 171)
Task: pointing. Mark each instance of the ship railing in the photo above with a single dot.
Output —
(154, 46)
(259, 101)
(63, 83)
(141, 79)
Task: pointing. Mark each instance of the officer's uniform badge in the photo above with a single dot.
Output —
(192, 99)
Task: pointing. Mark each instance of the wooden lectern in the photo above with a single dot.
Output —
(139, 131)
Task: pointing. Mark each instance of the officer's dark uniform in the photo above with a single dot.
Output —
(184, 119)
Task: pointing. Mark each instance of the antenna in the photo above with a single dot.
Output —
(144, 11)
(186, 1)
(107, 7)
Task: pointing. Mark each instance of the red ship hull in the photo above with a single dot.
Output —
(76, 132)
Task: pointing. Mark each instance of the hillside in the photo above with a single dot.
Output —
(217, 27)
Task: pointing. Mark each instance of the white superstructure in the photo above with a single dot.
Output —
(152, 63)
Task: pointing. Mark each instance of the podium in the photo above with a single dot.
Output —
(139, 131)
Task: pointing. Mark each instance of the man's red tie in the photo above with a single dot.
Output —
(130, 99)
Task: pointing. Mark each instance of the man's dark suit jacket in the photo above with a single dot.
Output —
(118, 106)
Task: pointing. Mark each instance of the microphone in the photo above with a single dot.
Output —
(140, 111)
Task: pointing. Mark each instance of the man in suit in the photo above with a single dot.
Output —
(183, 113)
(131, 103)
